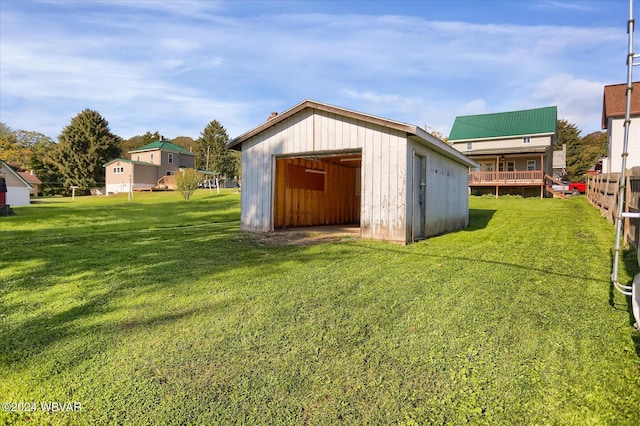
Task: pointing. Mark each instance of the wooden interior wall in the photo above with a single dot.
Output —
(295, 206)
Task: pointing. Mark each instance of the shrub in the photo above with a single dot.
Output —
(187, 182)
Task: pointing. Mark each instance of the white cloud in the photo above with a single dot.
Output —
(179, 44)
(476, 106)
(579, 101)
(567, 5)
(379, 101)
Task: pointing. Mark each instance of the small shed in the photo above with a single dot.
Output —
(317, 164)
(18, 189)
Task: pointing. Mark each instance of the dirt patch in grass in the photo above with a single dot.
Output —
(289, 238)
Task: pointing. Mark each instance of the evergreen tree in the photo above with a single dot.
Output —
(83, 147)
(592, 148)
(569, 134)
(582, 152)
(43, 166)
(212, 153)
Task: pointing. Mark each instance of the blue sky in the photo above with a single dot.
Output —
(173, 66)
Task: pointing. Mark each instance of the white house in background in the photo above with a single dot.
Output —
(18, 189)
(317, 164)
(560, 162)
(613, 111)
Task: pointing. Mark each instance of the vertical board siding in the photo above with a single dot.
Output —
(408, 160)
(383, 184)
(295, 134)
(305, 207)
(447, 198)
(366, 219)
(376, 182)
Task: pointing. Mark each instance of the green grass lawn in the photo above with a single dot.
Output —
(159, 311)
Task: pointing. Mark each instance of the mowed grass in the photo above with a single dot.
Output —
(159, 311)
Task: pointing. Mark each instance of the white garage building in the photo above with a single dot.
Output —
(317, 164)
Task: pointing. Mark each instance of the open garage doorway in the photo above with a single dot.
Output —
(317, 190)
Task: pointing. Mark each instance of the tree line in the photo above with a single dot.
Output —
(87, 143)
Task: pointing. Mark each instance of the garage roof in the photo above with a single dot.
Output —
(413, 132)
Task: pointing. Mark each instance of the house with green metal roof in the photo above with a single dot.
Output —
(149, 167)
(514, 150)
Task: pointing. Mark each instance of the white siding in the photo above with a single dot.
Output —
(115, 188)
(382, 208)
(514, 142)
(17, 195)
(616, 140)
(447, 194)
(383, 203)
(17, 191)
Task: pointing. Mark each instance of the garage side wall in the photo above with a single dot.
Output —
(447, 194)
(384, 184)
(256, 193)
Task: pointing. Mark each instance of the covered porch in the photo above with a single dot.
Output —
(503, 172)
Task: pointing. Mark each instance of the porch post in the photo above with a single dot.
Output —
(543, 173)
(496, 171)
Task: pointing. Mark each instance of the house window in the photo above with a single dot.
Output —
(170, 173)
(118, 170)
(152, 158)
(469, 146)
(511, 166)
(531, 165)
(526, 140)
(170, 159)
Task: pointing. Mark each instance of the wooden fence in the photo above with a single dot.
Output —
(602, 193)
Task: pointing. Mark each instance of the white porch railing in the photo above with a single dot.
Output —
(532, 177)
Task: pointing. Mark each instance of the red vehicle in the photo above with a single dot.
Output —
(578, 188)
(575, 188)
